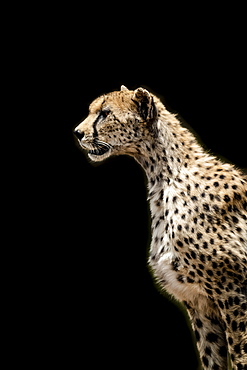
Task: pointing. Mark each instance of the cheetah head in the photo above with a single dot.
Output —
(117, 123)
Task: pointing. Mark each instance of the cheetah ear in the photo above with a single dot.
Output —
(145, 104)
(124, 88)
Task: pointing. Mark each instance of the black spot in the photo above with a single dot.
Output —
(199, 323)
(193, 255)
(186, 241)
(199, 273)
(197, 335)
(212, 337)
(205, 361)
(194, 198)
(236, 300)
(244, 306)
(234, 325)
(237, 348)
(180, 278)
(179, 243)
(209, 291)
(157, 224)
(199, 236)
(235, 219)
(169, 169)
(189, 280)
(242, 326)
(209, 272)
(226, 198)
(216, 184)
(206, 207)
(220, 304)
(208, 351)
(237, 196)
(216, 208)
(202, 257)
(245, 348)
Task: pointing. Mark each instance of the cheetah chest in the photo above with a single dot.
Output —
(166, 260)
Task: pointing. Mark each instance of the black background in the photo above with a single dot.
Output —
(93, 298)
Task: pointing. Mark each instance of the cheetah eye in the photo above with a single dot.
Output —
(105, 113)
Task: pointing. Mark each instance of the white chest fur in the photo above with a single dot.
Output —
(163, 224)
(165, 259)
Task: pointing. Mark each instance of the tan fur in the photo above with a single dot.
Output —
(198, 208)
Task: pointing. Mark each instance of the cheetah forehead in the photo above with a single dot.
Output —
(97, 104)
(117, 99)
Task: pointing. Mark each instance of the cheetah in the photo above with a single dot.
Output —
(198, 206)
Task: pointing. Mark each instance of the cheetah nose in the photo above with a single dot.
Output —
(79, 134)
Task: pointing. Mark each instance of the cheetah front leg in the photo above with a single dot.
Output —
(234, 311)
(210, 337)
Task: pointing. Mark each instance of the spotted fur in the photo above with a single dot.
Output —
(198, 209)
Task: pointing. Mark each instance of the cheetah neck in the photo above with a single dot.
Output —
(168, 161)
(168, 156)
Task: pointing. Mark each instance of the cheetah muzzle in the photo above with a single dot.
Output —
(198, 205)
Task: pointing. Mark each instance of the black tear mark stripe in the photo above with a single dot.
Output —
(95, 132)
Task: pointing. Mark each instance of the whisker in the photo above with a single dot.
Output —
(99, 147)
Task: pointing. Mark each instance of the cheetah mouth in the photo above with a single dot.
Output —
(97, 151)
